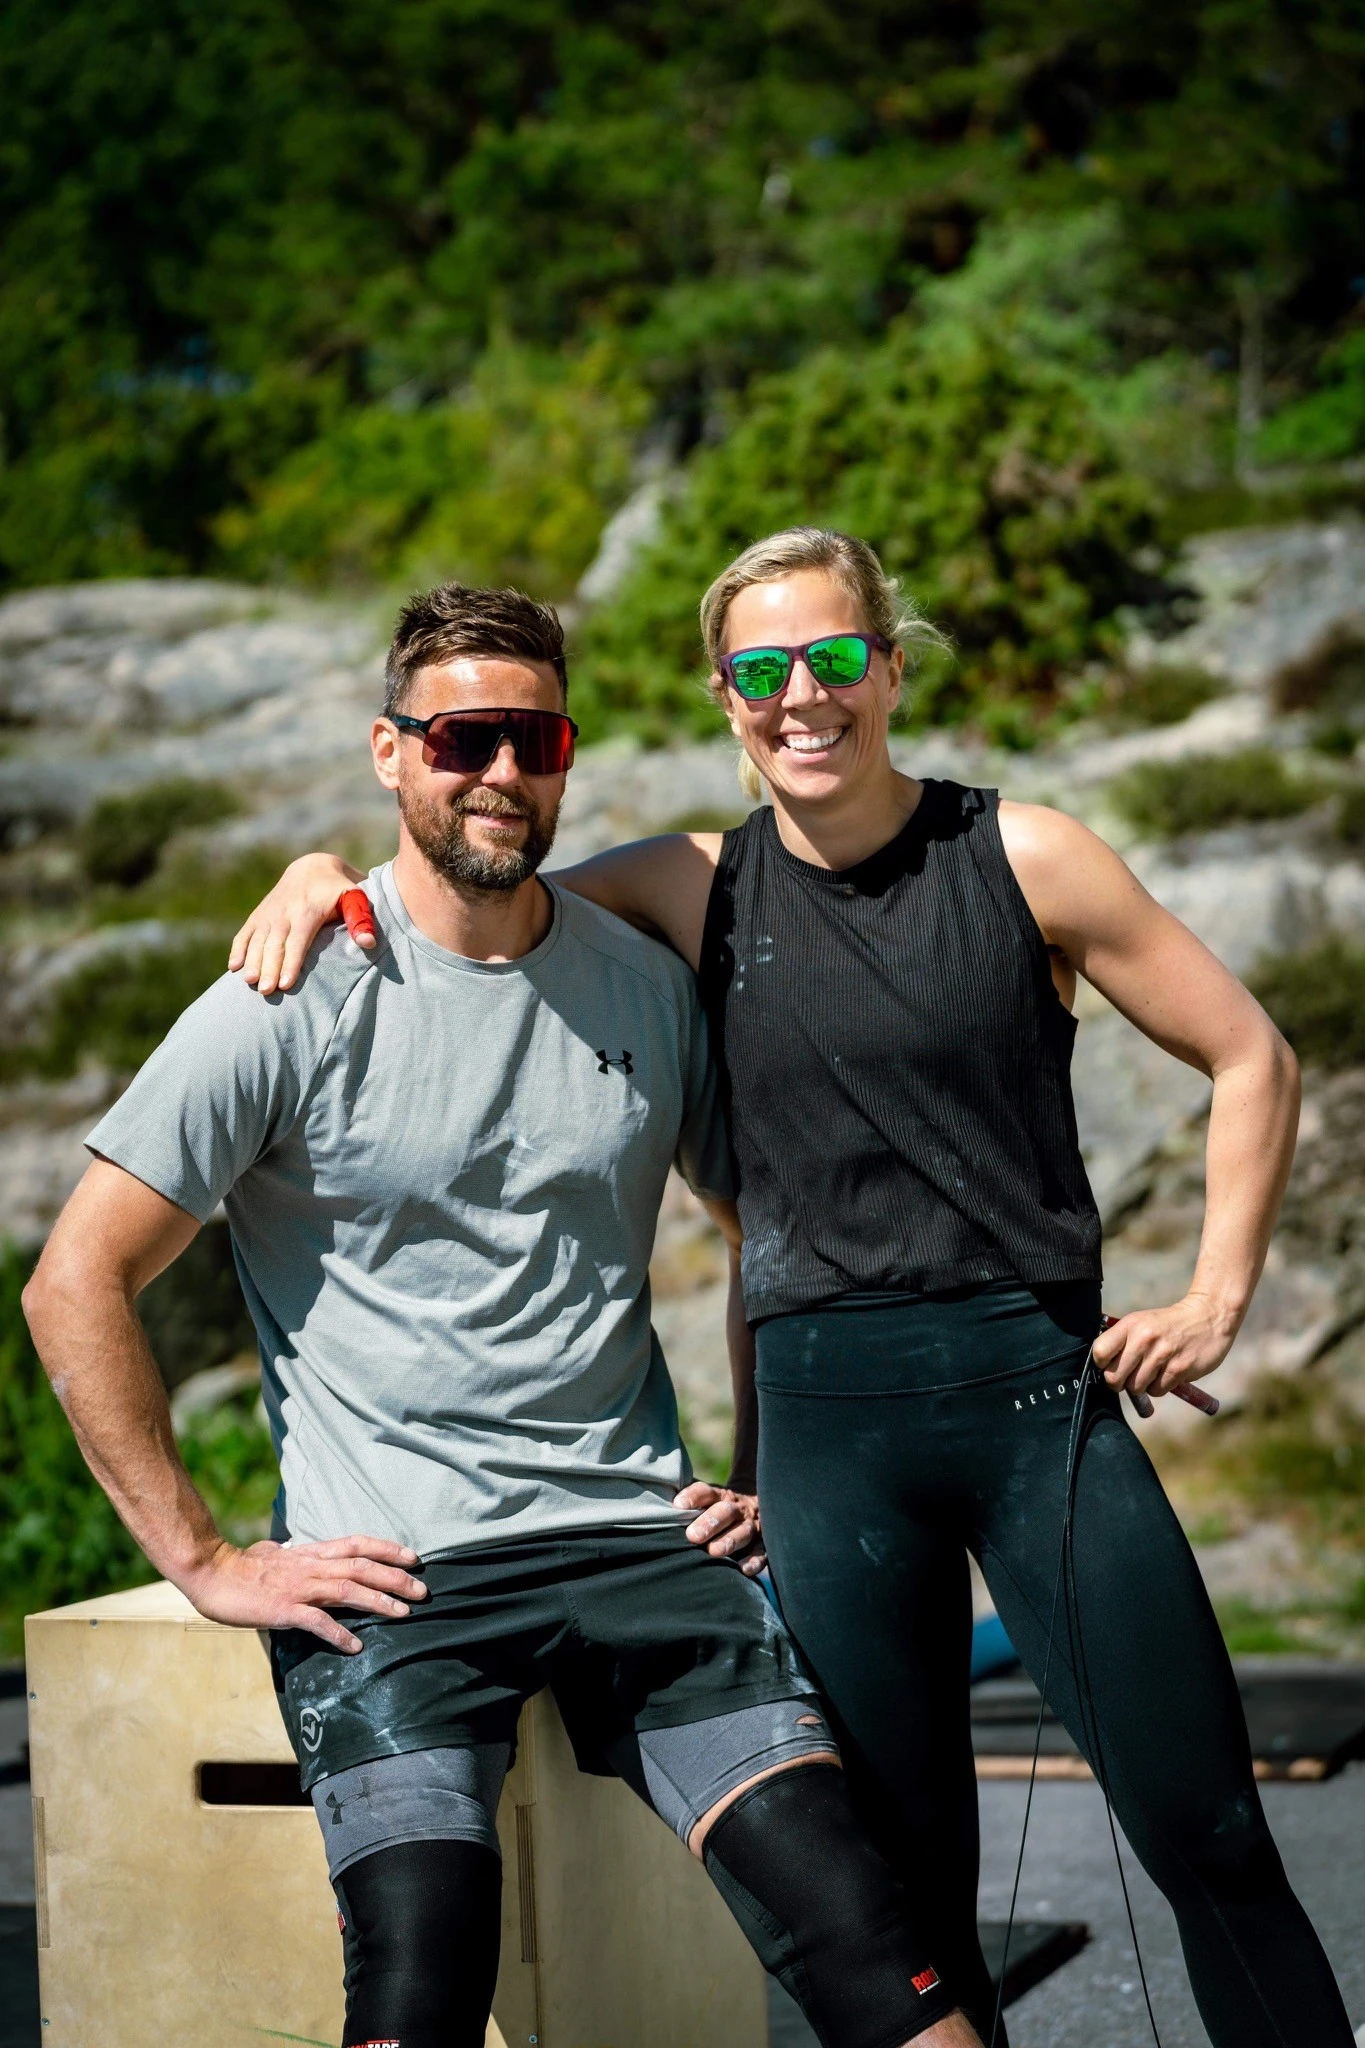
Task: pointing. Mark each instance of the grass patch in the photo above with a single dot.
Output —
(1162, 695)
(189, 886)
(706, 818)
(118, 1009)
(1297, 1448)
(121, 839)
(1318, 1000)
(60, 1539)
(1349, 824)
(1166, 798)
(1250, 1632)
(229, 1456)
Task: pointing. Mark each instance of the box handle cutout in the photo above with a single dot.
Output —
(250, 1785)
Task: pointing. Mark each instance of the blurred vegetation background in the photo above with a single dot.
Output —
(354, 296)
(359, 293)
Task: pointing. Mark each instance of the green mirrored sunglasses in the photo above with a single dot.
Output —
(836, 663)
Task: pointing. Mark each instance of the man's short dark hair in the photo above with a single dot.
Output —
(436, 626)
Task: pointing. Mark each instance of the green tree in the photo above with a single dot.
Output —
(981, 477)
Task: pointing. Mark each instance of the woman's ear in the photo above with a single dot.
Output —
(725, 697)
(895, 677)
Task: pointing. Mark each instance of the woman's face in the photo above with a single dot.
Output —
(811, 743)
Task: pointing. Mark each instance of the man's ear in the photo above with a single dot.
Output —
(385, 742)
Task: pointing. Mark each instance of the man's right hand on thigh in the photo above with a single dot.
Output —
(277, 1585)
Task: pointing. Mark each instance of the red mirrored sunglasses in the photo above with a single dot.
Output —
(464, 742)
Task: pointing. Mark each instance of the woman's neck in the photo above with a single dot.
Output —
(841, 832)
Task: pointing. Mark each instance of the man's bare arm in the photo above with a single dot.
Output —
(1096, 914)
(113, 1237)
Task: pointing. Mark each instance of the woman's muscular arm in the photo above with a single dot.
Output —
(660, 885)
(1098, 921)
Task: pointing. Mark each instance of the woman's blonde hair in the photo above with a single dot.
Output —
(852, 564)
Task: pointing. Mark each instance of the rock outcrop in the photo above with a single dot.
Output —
(105, 687)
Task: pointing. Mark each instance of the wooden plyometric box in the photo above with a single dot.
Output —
(182, 1888)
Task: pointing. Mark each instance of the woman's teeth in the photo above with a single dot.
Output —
(812, 742)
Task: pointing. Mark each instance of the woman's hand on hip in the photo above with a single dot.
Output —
(1155, 1350)
(727, 1522)
(272, 945)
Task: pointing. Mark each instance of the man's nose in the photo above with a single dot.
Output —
(504, 769)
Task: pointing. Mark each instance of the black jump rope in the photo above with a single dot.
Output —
(1065, 1587)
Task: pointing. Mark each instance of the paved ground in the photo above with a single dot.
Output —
(16, 1828)
(1068, 1875)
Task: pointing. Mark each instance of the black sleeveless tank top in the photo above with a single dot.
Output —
(897, 1065)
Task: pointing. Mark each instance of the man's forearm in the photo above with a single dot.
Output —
(96, 1354)
(1253, 1124)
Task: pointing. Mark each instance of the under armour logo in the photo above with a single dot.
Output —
(625, 1063)
(336, 1806)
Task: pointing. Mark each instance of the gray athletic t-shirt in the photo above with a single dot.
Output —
(442, 1178)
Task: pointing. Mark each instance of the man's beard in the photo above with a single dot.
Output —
(438, 830)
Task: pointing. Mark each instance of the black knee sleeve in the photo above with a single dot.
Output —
(420, 1925)
(823, 1912)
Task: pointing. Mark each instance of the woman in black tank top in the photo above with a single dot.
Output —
(888, 967)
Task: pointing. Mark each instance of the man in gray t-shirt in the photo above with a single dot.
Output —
(442, 1176)
(442, 1160)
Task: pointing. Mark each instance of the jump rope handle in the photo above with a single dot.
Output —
(1195, 1396)
(355, 908)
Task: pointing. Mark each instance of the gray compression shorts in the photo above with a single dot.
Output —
(451, 1794)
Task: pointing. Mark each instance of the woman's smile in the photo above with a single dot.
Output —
(800, 740)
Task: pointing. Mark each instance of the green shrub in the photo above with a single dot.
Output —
(1249, 1631)
(1329, 424)
(194, 1313)
(1163, 694)
(229, 1456)
(1296, 1446)
(60, 1539)
(707, 818)
(1318, 1000)
(121, 839)
(201, 888)
(1204, 791)
(509, 483)
(1350, 818)
(119, 1008)
(981, 476)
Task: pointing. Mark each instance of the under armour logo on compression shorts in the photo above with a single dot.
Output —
(625, 1063)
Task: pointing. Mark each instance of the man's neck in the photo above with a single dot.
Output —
(479, 924)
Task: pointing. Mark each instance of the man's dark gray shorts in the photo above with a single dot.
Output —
(633, 1631)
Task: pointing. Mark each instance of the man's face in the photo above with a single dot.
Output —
(489, 830)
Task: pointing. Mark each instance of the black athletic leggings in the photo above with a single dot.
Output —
(893, 1437)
